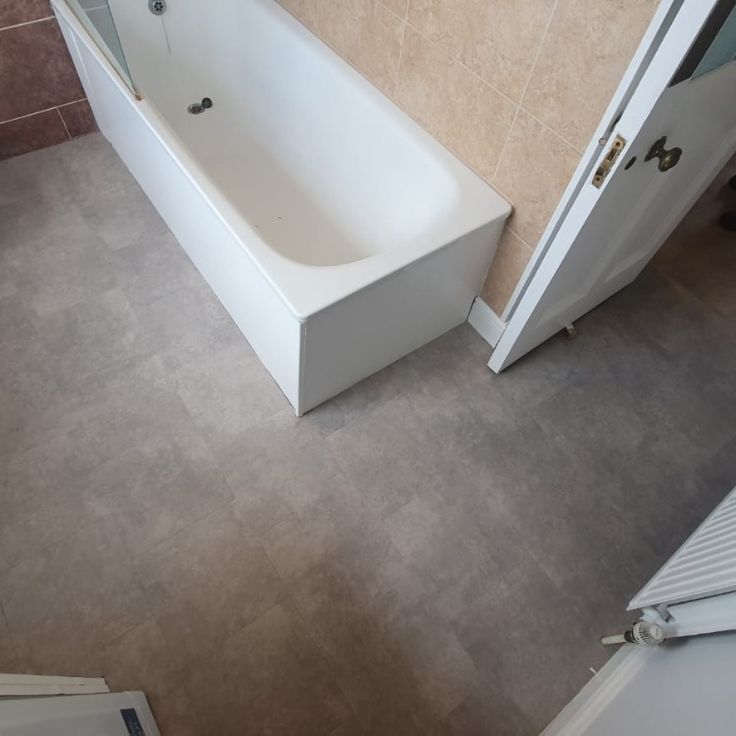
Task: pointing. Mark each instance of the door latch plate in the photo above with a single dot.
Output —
(608, 161)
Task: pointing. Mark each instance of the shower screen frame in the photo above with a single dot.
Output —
(118, 62)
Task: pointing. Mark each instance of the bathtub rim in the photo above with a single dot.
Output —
(304, 289)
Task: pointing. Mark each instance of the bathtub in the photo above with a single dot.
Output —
(337, 233)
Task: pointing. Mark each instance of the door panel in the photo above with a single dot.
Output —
(611, 233)
(681, 688)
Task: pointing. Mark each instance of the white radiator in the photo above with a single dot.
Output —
(704, 566)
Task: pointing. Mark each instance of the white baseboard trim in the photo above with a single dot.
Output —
(486, 322)
(598, 693)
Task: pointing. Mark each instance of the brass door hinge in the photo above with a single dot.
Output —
(608, 161)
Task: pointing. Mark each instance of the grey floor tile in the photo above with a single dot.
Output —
(123, 217)
(55, 259)
(268, 677)
(363, 584)
(390, 455)
(406, 677)
(15, 183)
(538, 655)
(359, 400)
(91, 337)
(539, 375)
(443, 671)
(700, 257)
(595, 425)
(159, 488)
(437, 550)
(255, 463)
(351, 727)
(187, 324)
(92, 170)
(28, 383)
(228, 392)
(207, 582)
(140, 659)
(314, 532)
(443, 371)
(7, 650)
(130, 404)
(154, 268)
(29, 227)
(717, 474)
(486, 712)
(70, 599)
(258, 509)
(34, 523)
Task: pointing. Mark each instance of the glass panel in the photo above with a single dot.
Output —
(714, 46)
(722, 50)
(98, 19)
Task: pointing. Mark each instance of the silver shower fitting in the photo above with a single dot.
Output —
(157, 7)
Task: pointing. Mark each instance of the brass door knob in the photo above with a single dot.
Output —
(668, 158)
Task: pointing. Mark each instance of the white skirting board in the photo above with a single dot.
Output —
(486, 322)
(598, 693)
(12, 685)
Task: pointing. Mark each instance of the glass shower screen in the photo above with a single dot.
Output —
(98, 19)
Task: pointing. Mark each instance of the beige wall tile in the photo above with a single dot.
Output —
(400, 7)
(511, 258)
(534, 171)
(463, 112)
(587, 49)
(305, 10)
(497, 39)
(367, 34)
(435, 67)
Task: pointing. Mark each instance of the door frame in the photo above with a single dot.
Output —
(657, 28)
(567, 219)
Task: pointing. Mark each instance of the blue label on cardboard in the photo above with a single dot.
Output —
(132, 723)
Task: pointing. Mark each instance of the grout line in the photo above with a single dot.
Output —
(485, 82)
(404, 17)
(404, 26)
(462, 64)
(73, 102)
(27, 23)
(448, 55)
(38, 112)
(553, 131)
(63, 122)
(507, 226)
(538, 55)
(511, 229)
(525, 90)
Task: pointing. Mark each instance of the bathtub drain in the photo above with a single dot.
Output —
(157, 7)
(199, 107)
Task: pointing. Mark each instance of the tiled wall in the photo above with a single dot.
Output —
(513, 87)
(41, 99)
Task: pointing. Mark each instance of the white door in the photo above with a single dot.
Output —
(682, 688)
(611, 231)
